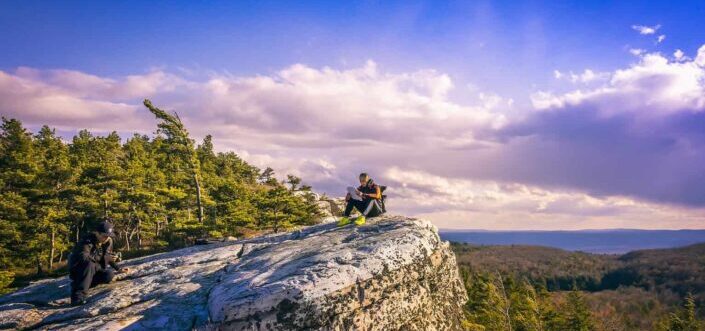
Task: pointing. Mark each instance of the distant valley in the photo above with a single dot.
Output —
(639, 290)
(592, 241)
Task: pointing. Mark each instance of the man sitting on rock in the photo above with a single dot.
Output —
(366, 199)
(89, 262)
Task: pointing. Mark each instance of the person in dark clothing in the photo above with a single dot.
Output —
(89, 261)
(367, 201)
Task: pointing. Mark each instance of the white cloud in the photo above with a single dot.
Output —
(636, 51)
(679, 56)
(660, 38)
(327, 105)
(587, 76)
(700, 58)
(665, 86)
(646, 30)
(483, 204)
(557, 74)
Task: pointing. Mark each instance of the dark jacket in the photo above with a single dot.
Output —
(370, 188)
(89, 249)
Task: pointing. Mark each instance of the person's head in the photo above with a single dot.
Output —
(105, 230)
(364, 178)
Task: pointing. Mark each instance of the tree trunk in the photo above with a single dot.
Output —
(276, 221)
(40, 271)
(198, 198)
(105, 204)
(52, 251)
(139, 233)
(127, 241)
(79, 226)
(507, 308)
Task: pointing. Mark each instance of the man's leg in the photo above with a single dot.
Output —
(352, 203)
(372, 209)
(81, 278)
(369, 208)
(357, 204)
(349, 207)
(102, 276)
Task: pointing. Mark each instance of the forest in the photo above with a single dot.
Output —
(539, 288)
(161, 192)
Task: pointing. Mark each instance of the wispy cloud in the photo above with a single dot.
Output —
(587, 76)
(636, 51)
(646, 30)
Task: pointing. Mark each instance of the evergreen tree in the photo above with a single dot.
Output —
(267, 177)
(48, 208)
(18, 171)
(685, 319)
(293, 182)
(144, 182)
(487, 306)
(526, 308)
(180, 149)
(577, 313)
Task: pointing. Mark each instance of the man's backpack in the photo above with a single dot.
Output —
(384, 198)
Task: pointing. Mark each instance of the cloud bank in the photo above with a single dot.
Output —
(627, 149)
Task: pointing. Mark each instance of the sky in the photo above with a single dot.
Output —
(499, 115)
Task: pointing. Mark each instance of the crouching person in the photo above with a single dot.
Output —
(367, 199)
(89, 262)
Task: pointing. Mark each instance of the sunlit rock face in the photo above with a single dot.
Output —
(393, 273)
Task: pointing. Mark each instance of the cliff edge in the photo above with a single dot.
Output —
(393, 273)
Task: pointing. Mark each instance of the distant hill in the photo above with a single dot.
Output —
(680, 270)
(557, 269)
(670, 273)
(615, 241)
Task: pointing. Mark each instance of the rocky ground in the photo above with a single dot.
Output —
(393, 273)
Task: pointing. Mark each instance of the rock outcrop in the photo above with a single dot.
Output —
(393, 273)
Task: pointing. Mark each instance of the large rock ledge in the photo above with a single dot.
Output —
(392, 274)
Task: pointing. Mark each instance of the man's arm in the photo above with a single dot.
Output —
(109, 256)
(86, 252)
(376, 195)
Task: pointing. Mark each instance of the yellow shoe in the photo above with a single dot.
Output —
(360, 220)
(344, 221)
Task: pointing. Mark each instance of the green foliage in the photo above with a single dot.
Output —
(161, 192)
(6, 278)
(684, 319)
(521, 282)
(577, 314)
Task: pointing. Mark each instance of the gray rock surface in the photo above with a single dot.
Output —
(393, 273)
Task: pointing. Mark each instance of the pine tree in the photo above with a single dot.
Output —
(144, 182)
(685, 319)
(487, 305)
(48, 207)
(293, 182)
(18, 171)
(267, 177)
(182, 148)
(526, 310)
(578, 316)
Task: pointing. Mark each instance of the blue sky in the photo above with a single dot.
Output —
(508, 45)
(498, 114)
